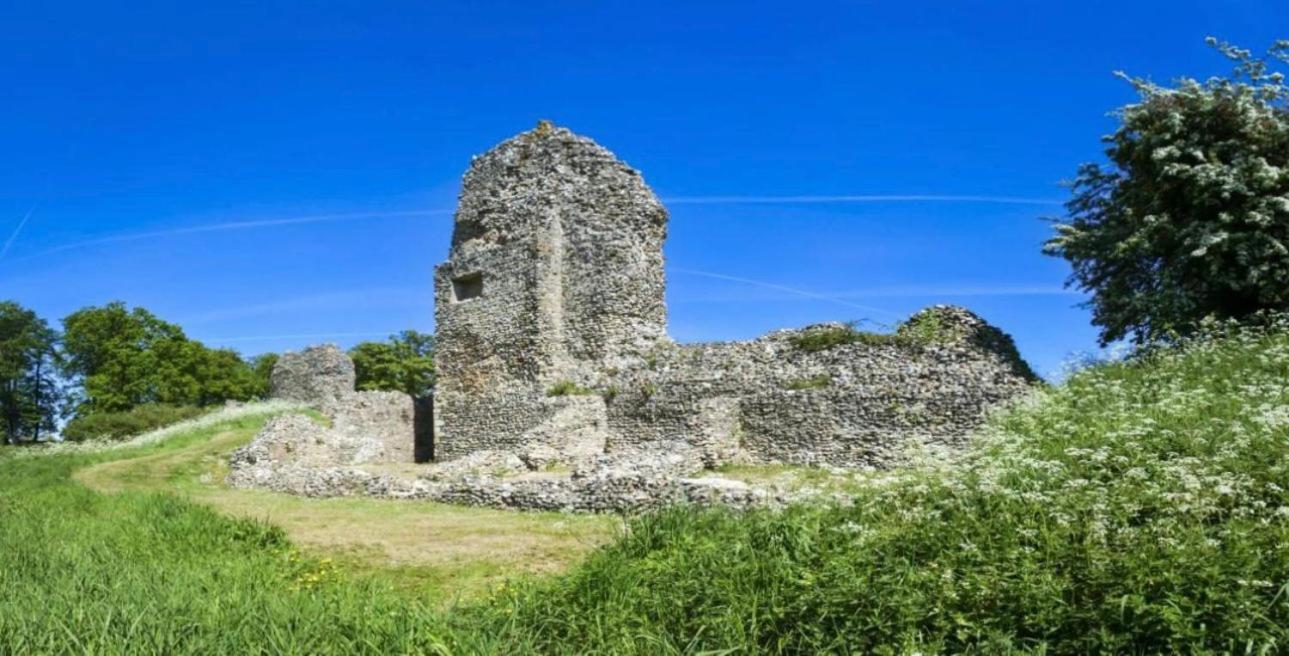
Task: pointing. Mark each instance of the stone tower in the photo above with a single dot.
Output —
(555, 274)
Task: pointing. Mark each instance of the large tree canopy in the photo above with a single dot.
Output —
(30, 398)
(125, 358)
(404, 363)
(1190, 216)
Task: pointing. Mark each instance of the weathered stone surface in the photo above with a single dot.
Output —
(388, 418)
(555, 271)
(315, 375)
(858, 404)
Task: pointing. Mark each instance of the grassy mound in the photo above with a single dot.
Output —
(1141, 507)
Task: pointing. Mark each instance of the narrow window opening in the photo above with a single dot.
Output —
(467, 287)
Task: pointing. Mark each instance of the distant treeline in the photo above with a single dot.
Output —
(113, 371)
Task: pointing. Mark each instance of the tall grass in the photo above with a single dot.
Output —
(1139, 508)
(82, 572)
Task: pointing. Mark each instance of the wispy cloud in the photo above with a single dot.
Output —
(875, 198)
(674, 200)
(236, 225)
(14, 235)
(805, 293)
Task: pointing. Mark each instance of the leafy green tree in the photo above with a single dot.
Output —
(262, 366)
(1190, 217)
(404, 363)
(121, 357)
(124, 358)
(30, 396)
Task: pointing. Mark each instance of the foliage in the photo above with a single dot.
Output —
(30, 397)
(822, 381)
(568, 388)
(404, 363)
(927, 328)
(1190, 217)
(127, 423)
(921, 329)
(262, 367)
(821, 338)
(1142, 508)
(125, 357)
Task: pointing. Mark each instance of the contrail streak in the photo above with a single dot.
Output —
(235, 225)
(784, 288)
(807, 200)
(677, 200)
(9, 242)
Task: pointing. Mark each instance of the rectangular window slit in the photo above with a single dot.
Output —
(467, 287)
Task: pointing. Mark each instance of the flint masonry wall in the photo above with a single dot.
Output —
(858, 404)
(555, 275)
(555, 272)
(366, 426)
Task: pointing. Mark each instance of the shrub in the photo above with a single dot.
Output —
(1187, 218)
(120, 425)
(927, 328)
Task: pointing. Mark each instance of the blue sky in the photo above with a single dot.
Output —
(274, 174)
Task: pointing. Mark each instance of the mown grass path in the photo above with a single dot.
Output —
(144, 551)
(444, 551)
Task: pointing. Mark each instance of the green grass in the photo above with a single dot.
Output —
(822, 381)
(1139, 508)
(568, 388)
(152, 566)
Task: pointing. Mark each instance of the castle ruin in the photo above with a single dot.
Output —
(552, 337)
(553, 356)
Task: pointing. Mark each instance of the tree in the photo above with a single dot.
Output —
(404, 363)
(30, 397)
(262, 366)
(121, 357)
(1190, 217)
(124, 358)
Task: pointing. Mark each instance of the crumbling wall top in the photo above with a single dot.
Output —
(315, 375)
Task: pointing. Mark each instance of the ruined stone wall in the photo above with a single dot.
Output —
(858, 404)
(555, 272)
(555, 275)
(313, 375)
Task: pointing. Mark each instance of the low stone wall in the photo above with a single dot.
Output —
(639, 437)
(627, 482)
(856, 404)
(388, 418)
(358, 428)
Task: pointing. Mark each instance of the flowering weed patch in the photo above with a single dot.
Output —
(1139, 508)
